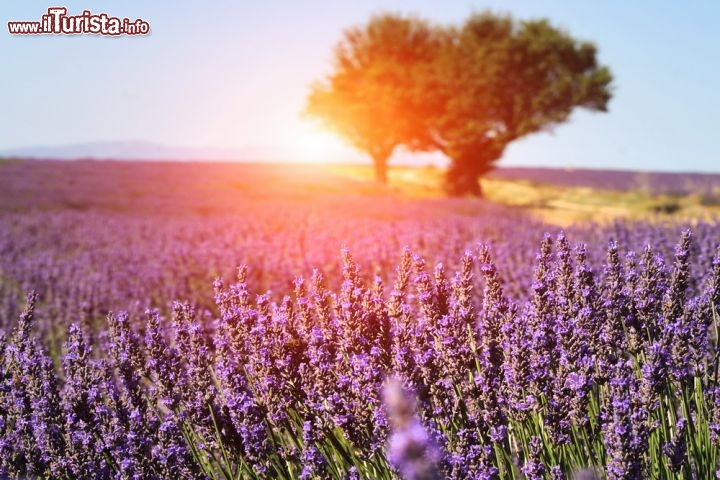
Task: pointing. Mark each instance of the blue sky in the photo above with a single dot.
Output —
(235, 75)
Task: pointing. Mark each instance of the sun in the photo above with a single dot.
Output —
(313, 144)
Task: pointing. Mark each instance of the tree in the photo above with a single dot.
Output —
(467, 92)
(499, 80)
(373, 98)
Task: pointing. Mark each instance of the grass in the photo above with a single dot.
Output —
(551, 203)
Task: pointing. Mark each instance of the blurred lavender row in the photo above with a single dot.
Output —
(651, 182)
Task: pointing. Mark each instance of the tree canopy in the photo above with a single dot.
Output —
(466, 91)
(370, 99)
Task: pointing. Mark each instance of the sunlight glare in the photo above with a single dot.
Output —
(313, 144)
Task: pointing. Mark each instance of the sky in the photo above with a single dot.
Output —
(235, 75)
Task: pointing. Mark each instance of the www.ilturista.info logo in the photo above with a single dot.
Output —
(57, 21)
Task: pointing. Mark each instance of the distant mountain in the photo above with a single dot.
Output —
(141, 150)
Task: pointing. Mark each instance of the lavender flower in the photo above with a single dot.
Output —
(675, 449)
(625, 426)
(534, 469)
(410, 449)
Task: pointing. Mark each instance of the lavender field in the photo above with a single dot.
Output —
(656, 182)
(278, 322)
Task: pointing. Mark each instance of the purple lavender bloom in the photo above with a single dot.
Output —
(625, 426)
(34, 441)
(192, 344)
(556, 473)
(654, 373)
(473, 458)
(649, 292)
(539, 320)
(82, 395)
(352, 474)
(534, 469)
(411, 450)
(313, 462)
(247, 417)
(675, 449)
(674, 299)
(615, 306)
(495, 312)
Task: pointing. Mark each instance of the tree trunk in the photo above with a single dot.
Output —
(473, 187)
(459, 182)
(380, 166)
(466, 184)
(466, 169)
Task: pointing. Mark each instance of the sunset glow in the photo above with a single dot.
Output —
(313, 144)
